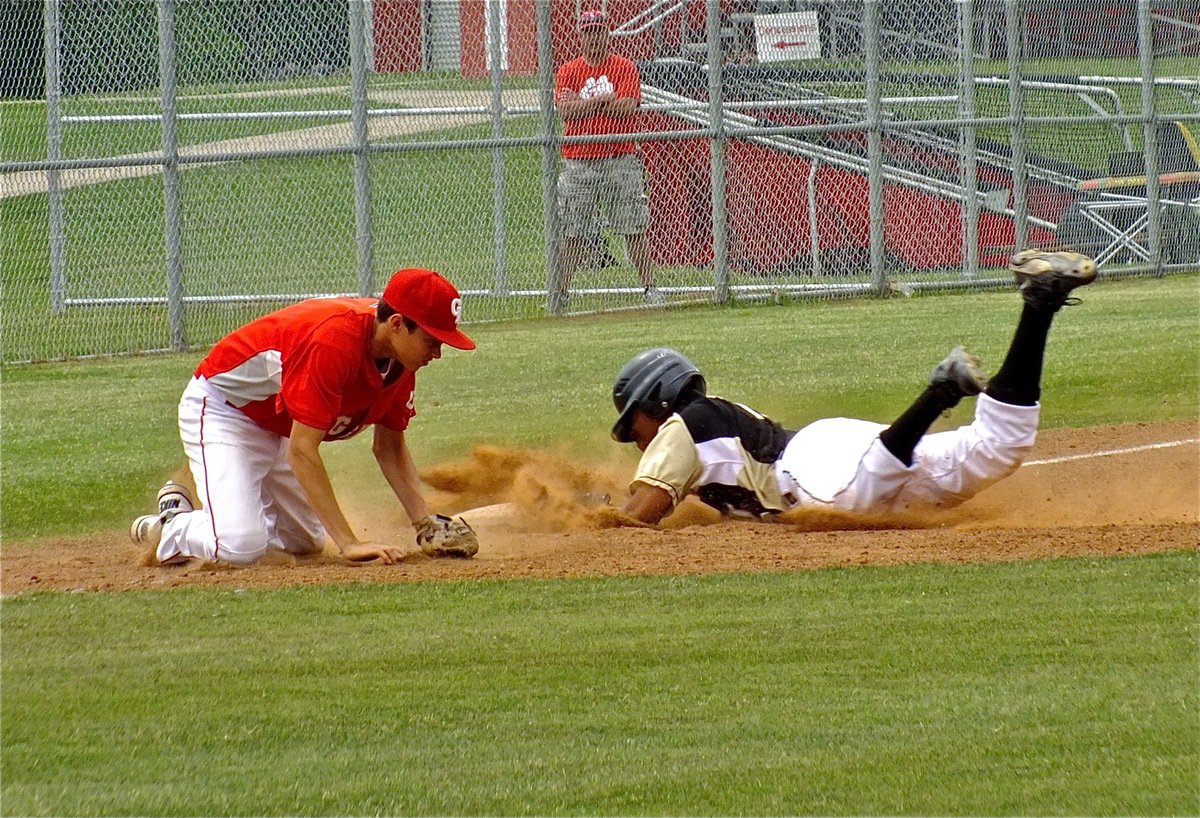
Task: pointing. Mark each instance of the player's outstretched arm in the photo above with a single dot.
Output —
(436, 534)
(647, 503)
(395, 461)
(305, 458)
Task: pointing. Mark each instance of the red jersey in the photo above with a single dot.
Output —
(311, 362)
(616, 74)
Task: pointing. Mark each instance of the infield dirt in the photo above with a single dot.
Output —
(1102, 491)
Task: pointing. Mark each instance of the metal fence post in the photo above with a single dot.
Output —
(966, 111)
(1014, 14)
(362, 157)
(874, 145)
(54, 202)
(496, 58)
(814, 227)
(554, 299)
(716, 97)
(1150, 136)
(172, 211)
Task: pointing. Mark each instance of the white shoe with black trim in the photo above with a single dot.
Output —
(146, 530)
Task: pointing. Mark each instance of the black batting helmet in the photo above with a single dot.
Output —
(654, 381)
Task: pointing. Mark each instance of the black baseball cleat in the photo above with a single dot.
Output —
(960, 373)
(1046, 279)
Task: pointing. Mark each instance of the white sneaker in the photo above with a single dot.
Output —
(146, 530)
(654, 296)
(174, 498)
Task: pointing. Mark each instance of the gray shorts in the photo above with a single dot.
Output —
(614, 188)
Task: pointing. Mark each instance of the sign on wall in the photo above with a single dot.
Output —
(792, 36)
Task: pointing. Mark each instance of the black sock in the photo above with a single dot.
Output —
(902, 436)
(1019, 380)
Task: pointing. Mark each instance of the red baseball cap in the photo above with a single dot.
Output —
(593, 18)
(429, 300)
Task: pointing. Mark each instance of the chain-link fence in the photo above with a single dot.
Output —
(172, 168)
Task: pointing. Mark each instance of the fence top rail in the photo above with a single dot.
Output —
(647, 17)
(1185, 81)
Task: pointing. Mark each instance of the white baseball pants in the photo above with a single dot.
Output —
(841, 463)
(251, 499)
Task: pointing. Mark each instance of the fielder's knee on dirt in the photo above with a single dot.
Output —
(242, 545)
(303, 546)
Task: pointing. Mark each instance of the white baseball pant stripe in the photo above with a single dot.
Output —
(252, 501)
(841, 463)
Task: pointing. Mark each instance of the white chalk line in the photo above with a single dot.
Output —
(1112, 452)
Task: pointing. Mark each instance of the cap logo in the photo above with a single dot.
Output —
(593, 18)
(424, 296)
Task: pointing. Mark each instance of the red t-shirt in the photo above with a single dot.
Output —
(311, 362)
(616, 74)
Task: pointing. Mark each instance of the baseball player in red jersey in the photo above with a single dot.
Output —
(597, 94)
(259, 406)
(745, 464)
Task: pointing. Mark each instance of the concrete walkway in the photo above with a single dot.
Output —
(28, 183)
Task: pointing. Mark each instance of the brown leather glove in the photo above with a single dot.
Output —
(442, 536)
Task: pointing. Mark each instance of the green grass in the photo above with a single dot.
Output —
(1059, 688)
(93, 440)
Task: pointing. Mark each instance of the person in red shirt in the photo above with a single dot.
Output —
(595, 94)
(259, 406)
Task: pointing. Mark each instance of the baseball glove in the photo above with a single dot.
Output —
(442, 536)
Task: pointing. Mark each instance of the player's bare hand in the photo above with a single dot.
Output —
(365, 551)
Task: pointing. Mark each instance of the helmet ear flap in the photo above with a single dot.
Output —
(653, 405)
(658, 407)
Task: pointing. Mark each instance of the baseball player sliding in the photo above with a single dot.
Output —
(745, 464)
(259, 406)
